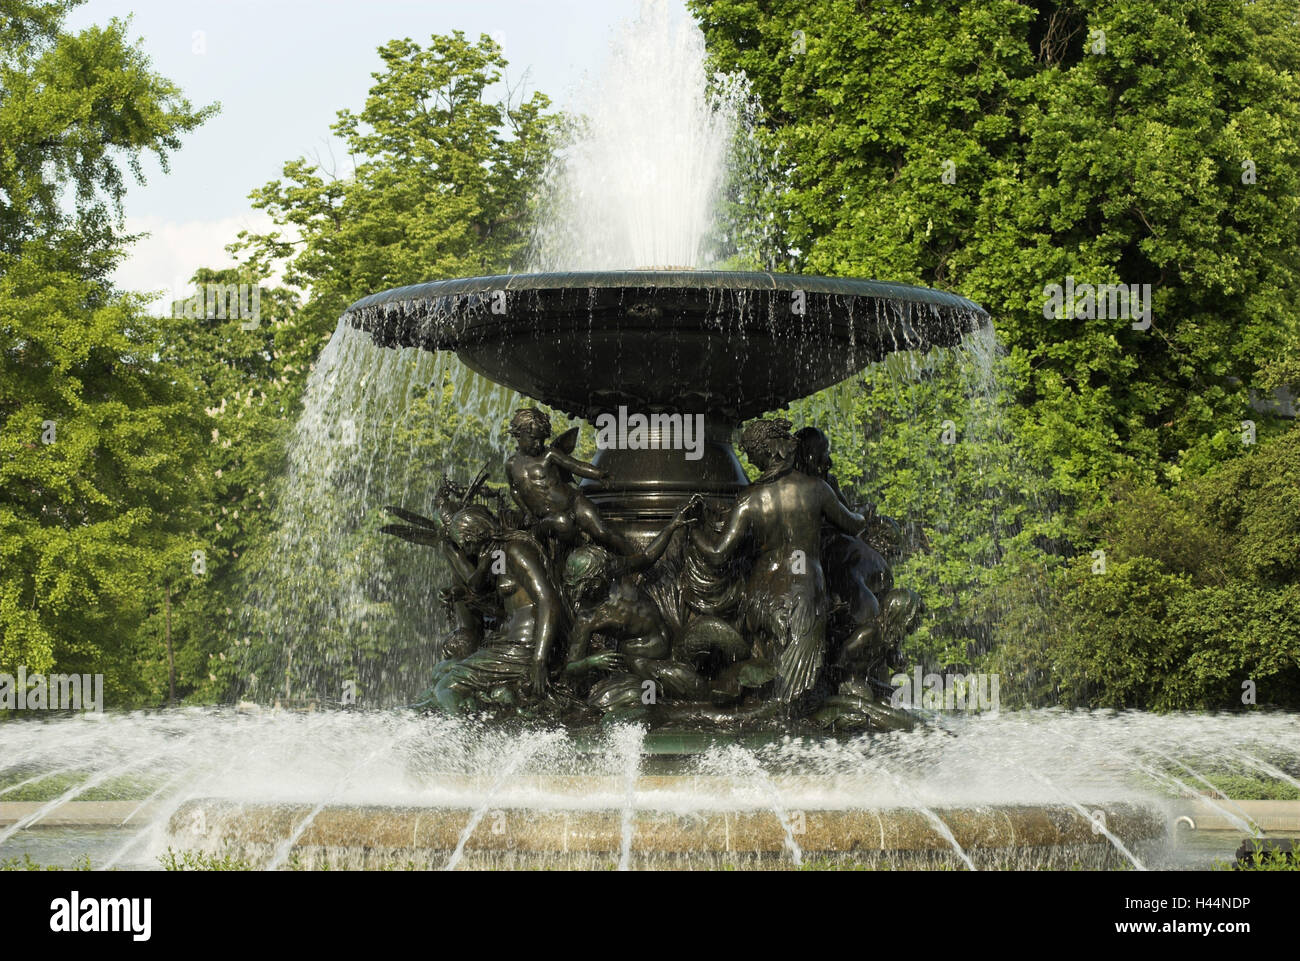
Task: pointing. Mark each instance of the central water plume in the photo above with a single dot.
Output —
(644, 178)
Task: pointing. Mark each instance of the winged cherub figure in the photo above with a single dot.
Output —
(541, 475)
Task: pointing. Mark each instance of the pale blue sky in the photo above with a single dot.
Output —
(281, 69)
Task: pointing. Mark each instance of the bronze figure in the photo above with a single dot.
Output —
(541, 476)
(512, 663)
(610, 601)
(774, 610)
(787, 602)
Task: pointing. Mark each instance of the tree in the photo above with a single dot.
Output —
(441, 182)
(247, 386)
(99, 445)
(1196, 600)
(99, 458)
(997, 147)
(75, 109)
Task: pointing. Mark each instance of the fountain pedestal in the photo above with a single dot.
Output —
(649, 484)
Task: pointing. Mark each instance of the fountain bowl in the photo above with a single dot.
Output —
(724, 343)
(723, 346)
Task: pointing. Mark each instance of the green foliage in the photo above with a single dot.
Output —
(442, 181)
(188, 860)
(1200, 594)
(27, 864)
(56, 783)
(996, 147)
(99, 452)
(73, 108)
(1125, 167)
(1259, 860)
(249, 375)
(88, 520)
(1244, 787)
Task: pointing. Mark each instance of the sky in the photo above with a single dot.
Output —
(281, 70)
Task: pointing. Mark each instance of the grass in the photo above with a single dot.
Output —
(200, 861)
(122, 788)
(27, 864)
(1245, 787)
(1237, 786)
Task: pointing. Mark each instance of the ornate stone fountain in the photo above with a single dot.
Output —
(667, 590)
(666, 587)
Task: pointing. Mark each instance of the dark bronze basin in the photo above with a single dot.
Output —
(727, 345)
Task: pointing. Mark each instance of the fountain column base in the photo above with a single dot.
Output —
(649, 483)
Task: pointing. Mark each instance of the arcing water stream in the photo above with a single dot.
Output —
(394, 760)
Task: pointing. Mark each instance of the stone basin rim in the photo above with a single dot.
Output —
(669, 280)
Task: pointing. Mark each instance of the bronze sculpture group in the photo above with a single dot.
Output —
(775, 608)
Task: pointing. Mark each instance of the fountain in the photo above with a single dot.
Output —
(634, 660)
(692, 630)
